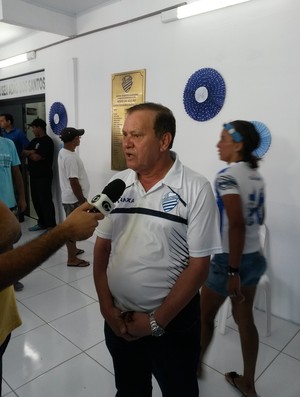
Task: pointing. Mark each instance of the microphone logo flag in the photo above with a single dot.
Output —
(106, 205)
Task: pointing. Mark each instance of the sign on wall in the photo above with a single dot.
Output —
(25, 85)
(128, 89)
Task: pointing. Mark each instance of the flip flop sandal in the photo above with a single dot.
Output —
(79, 252)
(79, 264)
(231, 377)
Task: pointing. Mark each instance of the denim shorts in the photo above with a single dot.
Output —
(70, 207)
(252, 267)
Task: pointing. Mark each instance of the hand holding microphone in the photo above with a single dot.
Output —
(104, 202)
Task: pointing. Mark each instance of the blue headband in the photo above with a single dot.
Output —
(236, 136)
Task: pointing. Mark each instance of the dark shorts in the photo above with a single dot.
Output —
(70, 207)
(252, 267)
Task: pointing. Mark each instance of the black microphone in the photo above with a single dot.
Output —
(104, 202)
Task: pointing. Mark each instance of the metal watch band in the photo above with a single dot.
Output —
(156, 330)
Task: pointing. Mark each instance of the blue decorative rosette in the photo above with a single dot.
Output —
(58, 117)
(204, 94)
(265, 139)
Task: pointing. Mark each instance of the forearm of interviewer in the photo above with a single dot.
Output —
(19, 262)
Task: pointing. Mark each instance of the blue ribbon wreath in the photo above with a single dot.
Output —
(58, 117)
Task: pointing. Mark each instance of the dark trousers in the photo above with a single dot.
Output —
(172, 358)
(41, 194)
(2, 350)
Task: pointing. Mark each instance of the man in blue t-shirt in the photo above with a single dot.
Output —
(18, 137)
(9, 131)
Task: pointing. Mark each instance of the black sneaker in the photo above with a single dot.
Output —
(18, 286)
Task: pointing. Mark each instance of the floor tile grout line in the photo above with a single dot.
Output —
(62, 363)
(79, 290)
(69, 340)
(72, 312)
(289, 355)
(270, 363)
(40, 293)
(280, 350)
(97, 362)
(47, 371)
(57, 318)
(298, 332)
(67, 282)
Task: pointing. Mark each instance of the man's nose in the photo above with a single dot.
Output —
(127, 141)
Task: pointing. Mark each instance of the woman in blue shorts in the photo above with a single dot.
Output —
(236, 272)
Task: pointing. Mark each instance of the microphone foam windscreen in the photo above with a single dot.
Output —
(114, 189)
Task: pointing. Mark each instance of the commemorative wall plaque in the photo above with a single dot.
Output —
(128, 89)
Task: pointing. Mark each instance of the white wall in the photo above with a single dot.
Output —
(255, 48)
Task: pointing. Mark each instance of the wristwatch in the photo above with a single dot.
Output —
(156, 330)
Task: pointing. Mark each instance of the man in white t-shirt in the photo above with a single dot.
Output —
(74, 184)
(151, 257)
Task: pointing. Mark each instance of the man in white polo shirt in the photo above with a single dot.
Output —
(151, 257)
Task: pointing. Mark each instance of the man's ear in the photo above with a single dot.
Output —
(165, 141)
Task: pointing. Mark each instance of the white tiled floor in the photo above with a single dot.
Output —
(60, 350)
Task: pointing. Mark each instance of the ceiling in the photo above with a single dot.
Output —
(16, 25)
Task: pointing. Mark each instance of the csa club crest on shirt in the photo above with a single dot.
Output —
(169, 201)
(127, 82)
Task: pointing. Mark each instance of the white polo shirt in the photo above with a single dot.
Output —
(154, 233)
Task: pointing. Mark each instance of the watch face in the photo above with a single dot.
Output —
(159, 332)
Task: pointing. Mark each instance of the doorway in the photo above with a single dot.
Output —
(24, 111)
